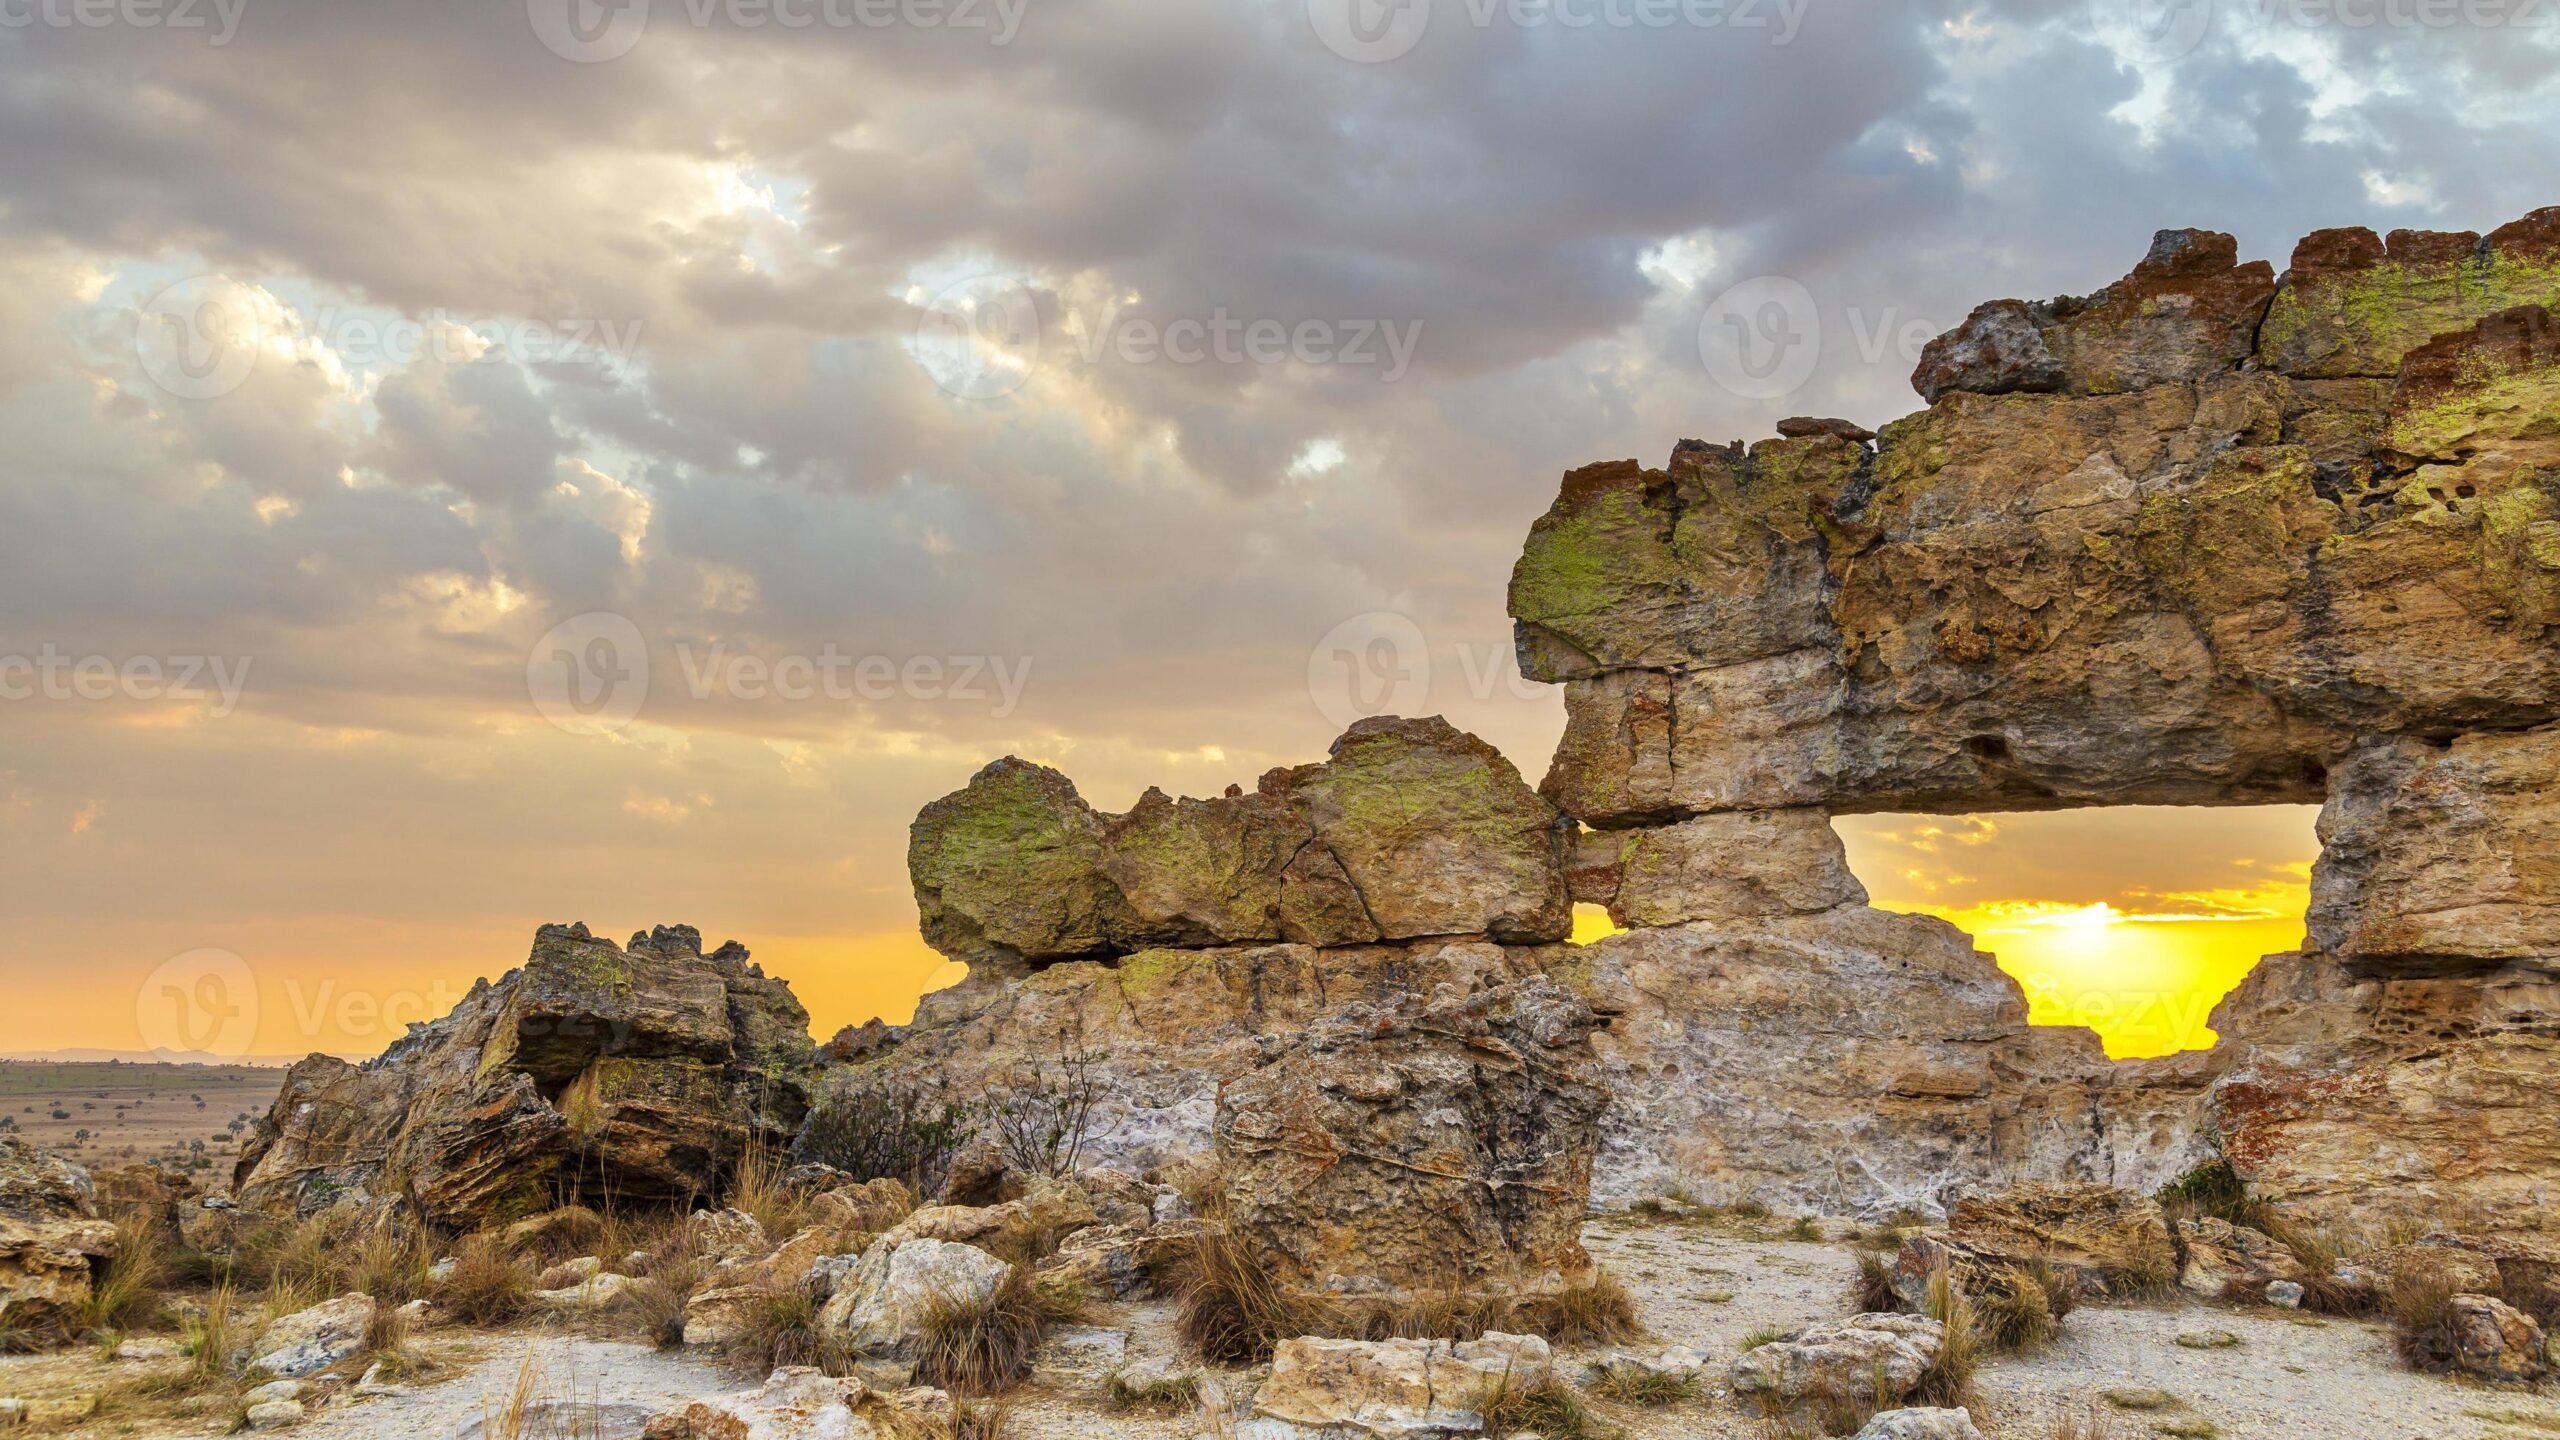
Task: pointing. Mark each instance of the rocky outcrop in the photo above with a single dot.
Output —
(1439, 1148)
(1412, 829)
(52, 1240)
(2210, 535)
(641, 1071)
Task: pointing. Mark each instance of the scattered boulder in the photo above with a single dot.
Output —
(149, 1348)
(310, 1341)
(880, 1306)
(2284, 1294)
(1850, 1357)
(2492, 1340)
(1123, 1261)
(1404, 1389)
(1921, 1424)
(2099, 1238)
(275, 1415)
(274, 1390)
(717, 1317)
(51, 1237)
(794, 1403)
(2220, 1260)
(596, 1292)
(1443, 1145)
(570, 1272)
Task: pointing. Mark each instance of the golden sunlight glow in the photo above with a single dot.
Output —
(2168, 908)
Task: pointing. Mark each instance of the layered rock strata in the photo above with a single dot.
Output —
(639, 1072)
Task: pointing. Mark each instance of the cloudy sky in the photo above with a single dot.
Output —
(470, 464)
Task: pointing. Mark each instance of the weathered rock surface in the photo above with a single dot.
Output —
(310, 1341)
(1921, 1424)
(2218, 1260)
(1856, 1356)
(2096, 1239)
(2441, 858)
(881, 1305)
(1412, 829)
(1404, 1389)
(641, 1071)
(2207, 536)
(797, 1402)
(1444, 1146)
(51, 1237)
(2494, 1341)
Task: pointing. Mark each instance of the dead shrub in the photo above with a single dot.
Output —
(2146, 1271)
(903, 1130)
(981, 1346)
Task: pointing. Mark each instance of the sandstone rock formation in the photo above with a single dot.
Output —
(1881, 1357)
(641, 1072)
(1437, 1148)
(1400, 1389)
(2212, 535)
(1411, 830)
(51, 1240)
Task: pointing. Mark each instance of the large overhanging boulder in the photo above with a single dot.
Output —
(1412, 829)
(642, 1072)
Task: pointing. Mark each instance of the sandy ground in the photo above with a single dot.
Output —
(2291, 1377)
(137, 1112)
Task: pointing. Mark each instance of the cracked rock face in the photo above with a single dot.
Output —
(51, 1238)
(643, 1071)
(1442, 1147)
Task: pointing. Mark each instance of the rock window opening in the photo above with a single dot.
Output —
(2134, 921)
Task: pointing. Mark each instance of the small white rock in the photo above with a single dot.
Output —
(2285, 1293)
(274, 1390)
(275, 1415)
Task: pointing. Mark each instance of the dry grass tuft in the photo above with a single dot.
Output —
(781, 1327)
(968, 1420)
(2014, 1314)
(1632, 1386)
(2419, 1305)
(1547, 1408)
(1597, 1312)
(1229, 1309)
(981, 1347)
(2149, 1271)
(1165, 1395)
(128, 1294)
(2085, 1423)
(759, 1189)
(1872, 1292)
(488, 1286)
(659, 1298)
(1949, 1379)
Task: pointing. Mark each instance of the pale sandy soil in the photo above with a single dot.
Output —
(1708, 1286)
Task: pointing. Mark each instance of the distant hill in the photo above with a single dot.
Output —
(145, 1057)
